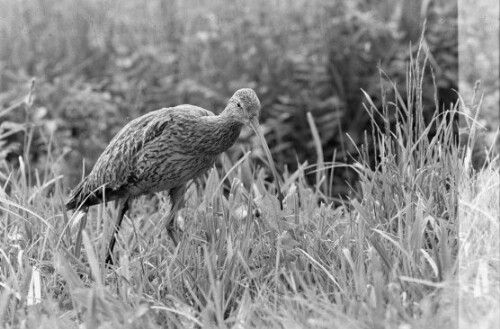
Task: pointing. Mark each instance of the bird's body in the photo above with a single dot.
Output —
(163, 150)
(158, 151)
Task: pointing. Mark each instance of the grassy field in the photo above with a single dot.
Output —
(416, 246)
(413, 245)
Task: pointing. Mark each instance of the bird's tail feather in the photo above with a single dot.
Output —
(76, 196)
(83, 195)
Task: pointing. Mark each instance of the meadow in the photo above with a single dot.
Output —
(412, 242)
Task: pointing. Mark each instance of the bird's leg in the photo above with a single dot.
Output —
(176, 199)
(123, 206)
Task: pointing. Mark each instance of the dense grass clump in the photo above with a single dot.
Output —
(414, 247)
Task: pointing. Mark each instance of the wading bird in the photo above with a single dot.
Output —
(163, 150)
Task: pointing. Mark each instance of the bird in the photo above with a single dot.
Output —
(162, 151)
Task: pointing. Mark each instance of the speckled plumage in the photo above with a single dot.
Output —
(163, 150)
(158, 151)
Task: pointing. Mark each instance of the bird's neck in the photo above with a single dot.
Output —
(220, 132)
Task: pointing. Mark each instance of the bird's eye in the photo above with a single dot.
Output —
(239, 105)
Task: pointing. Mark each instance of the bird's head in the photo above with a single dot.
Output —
(244, 106)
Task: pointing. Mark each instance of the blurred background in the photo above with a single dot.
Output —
(100, 63)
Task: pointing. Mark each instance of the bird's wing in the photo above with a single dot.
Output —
(160, 120)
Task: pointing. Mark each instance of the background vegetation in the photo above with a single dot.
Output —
(415, 245)
(98, 65)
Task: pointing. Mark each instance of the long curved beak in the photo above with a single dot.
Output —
(254, 123)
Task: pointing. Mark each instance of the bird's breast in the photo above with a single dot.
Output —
(216, 135)
(157, 173)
